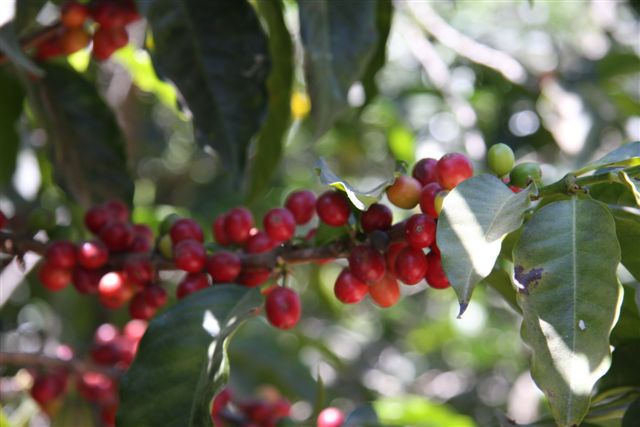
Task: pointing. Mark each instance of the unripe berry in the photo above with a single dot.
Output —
(452, 169)
(366, 264)
(427, 199)
(438, 201)
(189, 256)
(420, 231)
(524, 173)
(61, 254)
(500, 159)
(436, 277)
(165, 246)
(54, 278)
(223, 266)
(302, 205)
(283, 308)
(92, 254)
(425, 171)
(411, 265)
(118, 210)
(330, 417)
(219, 232)
(114, 290)
(72, 40)
(386, 291)
(140, 271)
(96, 218)
(333, 208)
(237, 224)
(377, 217)
(139, 309)
(405, 192)
(74, 14)
(86, 281)
(117, 235)
(155, 296)
(186, 229)
(279, 224)
(392, 254)
(348, 289)
(192, 283)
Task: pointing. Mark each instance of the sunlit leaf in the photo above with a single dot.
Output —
(632, 185)
(626, 155)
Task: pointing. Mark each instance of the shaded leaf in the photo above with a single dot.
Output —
(632, 185)
(613, 194)
(10, 46)
(184, 352)
(339, 39)
(87, 147)
(628, 327)
(270, 141)
(565, 264)
(26, 14)
(216, 54)
(384, 14)
(475, 217)
(500, 281)
(624, 370)
(626, 155)
(11, 103)
(632, 416)
(628, 232)
(326, 233)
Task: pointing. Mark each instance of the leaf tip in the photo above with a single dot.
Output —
(463, 308)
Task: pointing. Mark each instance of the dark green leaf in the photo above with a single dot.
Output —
(10, 46)
(565, 264)
(271, 139)
(613, 194)
(11, 103)
(632, 416)
(216, 54)
(475, 217)
(624, 370)
(500, 281)
(616, 63)
(383, 25)
(628, 232)
(26, 14)
(628, 326)
(181, 361)
(86, 145)
(339, 39)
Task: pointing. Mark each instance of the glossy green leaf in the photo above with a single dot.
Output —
(11, 103)
(384, 15)
(628, 232)
(181, 361)
(632, 185)
(10, 46)
(418, 412)
(565, 266)
(86, 145)
(626, 155)
(475, 217)
(216, 54)
(270, 141)
(632, 416)
(360, 199)
(339, 39)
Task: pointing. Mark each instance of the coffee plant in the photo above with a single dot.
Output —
(190, 240)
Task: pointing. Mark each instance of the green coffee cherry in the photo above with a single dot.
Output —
(523, 173)
(165, 246)
(41, 219)
(500, 159)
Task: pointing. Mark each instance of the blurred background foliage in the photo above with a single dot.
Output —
(558, 81)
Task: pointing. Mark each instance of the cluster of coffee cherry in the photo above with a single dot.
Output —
(111, 348)
(100, 22)
(268, 411)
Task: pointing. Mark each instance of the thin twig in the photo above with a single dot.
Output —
(37, 359)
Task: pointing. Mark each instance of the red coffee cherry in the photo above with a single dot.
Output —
(96, 218)
(279, 224)
(49, 48)
(139, 309)
(86, 281)
(141, 245)
(254, 277)
(92, 254)
(411, 265)
(114, 290)
(259, 243)
(61, 254)
(192, 283)
(139, 271)
(219, 232)
(117, 236)
(377, 217)
(108, 414)
(348, 289)
(47, 388)
(54, 278)
(366, 264)
(186, 229)
(189, 256)
(155, 296)
(436, 277)
(391, 255)
(108, 13)
(405, 192)
(74, 14)
(97, 387)
(135, 329)
(330, 417)
(420, 231)
(333, 208)
(72, 40)
(452, 169)
(107, 40)
(118, 210)
(386, 291)
(238, 224)
(223, 266)
(301, 204)
(425, 171)
(283, 308)
(3, 220)
(427, 197)
(144, 231)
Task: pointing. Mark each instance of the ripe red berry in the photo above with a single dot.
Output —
(377, 217)
(435, 276)
(49, 48)
(405, 192)
(302, 205)
(54, 278)
(135, 329)
(283, 308)
(385, 292)
(427, 197)
(348, 289)
(219, 232)
(189, 256)
(452, 169)
(97, 387)
(223, 266)
(114, 289)
(192, 283)
(330, 417)
(92, 254)
(117, 235)
(186, 229)
(333, 208)
(61, 253)
(411, 265)
(139, 271)
(108, 13)
(279, 224)
(141, 245)
(96, 218)
(391, 255)
(118, 210)
(3, 220)
(46, 388)
(107, 40)
(420, 231)
(108, 414)
(237, 224)
(74, 14)
(139, 308)
(155, 296)
(86, 281)
(254, 277)
(143, 231)
(259, 243)
(425, 171)
(366, 264)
